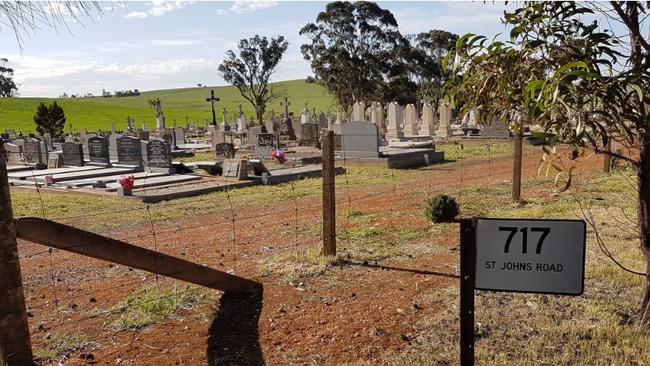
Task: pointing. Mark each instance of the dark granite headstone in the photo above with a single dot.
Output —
(360, 139)
(225, 151)
(157, 154)
(98, 150)
(129, 151)
(73, 154)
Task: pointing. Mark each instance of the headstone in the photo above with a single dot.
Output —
(224, 151)
(295, 126)
(98, 151)
(253, 132)
(73, 154)
(265, 145)
(495, 129)
(156, 154)
(35, 151)
(14, 153)
(241, 123)
(179, 135)
(112, 146)
(359, 111)
(309, 135)
(322, 120)
(143, 135)
(410, 120)
(270, 123)
(470, 119)
(360, 139)
(217, 136)
(428, 122)
(47, 140)
(444, 129)
(305, 117)
(377, 116)
(394, 129)
(286, 129)
(160, 117)
(235, 169)
(54, 161)
(129, 151)
(337, 124)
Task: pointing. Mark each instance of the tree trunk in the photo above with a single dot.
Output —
(516, 164)
(644, 219)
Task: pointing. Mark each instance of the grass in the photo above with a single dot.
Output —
(178, 104)
(61, 346)
(151, 305)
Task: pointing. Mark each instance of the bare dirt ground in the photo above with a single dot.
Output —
(356, 310)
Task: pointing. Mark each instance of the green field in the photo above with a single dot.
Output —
(180, 104)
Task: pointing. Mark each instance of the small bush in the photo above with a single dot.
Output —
(441, 208)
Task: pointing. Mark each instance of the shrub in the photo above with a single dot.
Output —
(441, 208)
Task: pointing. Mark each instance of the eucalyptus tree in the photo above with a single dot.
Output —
(354, 51)
(251, 67)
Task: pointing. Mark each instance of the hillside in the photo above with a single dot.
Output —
(98, 113)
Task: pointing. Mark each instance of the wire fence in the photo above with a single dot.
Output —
(238, 230)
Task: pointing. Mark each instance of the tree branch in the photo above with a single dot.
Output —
(615, 155)
(634, 28)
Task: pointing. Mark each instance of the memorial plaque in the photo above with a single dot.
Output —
(98, 150)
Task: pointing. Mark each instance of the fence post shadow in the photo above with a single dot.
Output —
(234, 334)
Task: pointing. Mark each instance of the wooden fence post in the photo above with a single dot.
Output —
(15, 344)
(329, 198)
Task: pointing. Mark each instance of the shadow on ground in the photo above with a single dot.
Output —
(234, 333)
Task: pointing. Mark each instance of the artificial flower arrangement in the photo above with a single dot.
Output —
(279, 156)
(127, 182)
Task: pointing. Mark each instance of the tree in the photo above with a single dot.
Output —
(429, 51)
(353, 51)
(7, 86)
(593, 90)
(50, 119)
(251, 67)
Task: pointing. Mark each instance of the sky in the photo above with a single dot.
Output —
(175, 44)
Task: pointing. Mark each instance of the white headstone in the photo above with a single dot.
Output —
(444, 130)
(377, 116)
(410, 120)
(358, 111)
(428, 122)
(394, 128)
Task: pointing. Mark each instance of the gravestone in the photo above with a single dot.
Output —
(47, 140)
(98, 150)
(495, 129)
(427, 128)
(410, 120)
(54, 161)
(112, 145)
(309, 135)
(235, 169)
(143, 135)
(444, 129)
(224, 151)
(157, 155)
(377, 116)
(394, 128)
(241, 123)
(179, 135)
(252, 135)
(129, 151)
(270, 124)
(265, 145)
(359, 111)
(295, 126)
(322, 121)
(360, 139)
(73, 154)
(35, 151)
(14, 153)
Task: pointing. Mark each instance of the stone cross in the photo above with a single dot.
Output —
(213, 100)
(160, 118)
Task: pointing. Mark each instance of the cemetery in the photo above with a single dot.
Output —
(421, 198)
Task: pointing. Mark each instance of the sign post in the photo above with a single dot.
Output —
(529, 256)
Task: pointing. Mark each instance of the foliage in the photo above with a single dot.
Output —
(8, 87)
(441, 208)
(354, 51)
(250, 69)
(50, 119)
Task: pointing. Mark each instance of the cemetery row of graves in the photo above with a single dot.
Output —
(179, 161)
(241, 205)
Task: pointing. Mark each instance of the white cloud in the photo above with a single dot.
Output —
(136, 15)
(162, 67)
(241, 7)
(157, 8)
(174, 42)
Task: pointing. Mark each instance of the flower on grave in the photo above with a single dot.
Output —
(279, 156)
(127, 182)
